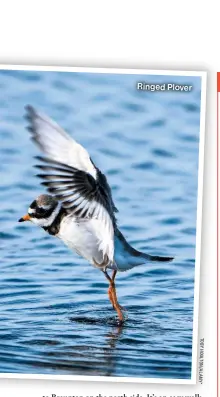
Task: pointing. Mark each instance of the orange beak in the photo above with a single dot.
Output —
(25, 218)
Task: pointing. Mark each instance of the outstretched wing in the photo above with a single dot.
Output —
(79, 192)
(56, 143)
(70, 176)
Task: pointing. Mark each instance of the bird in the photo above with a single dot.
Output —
(78, 207)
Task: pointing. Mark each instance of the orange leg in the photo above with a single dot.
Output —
(110, 295)
(113, 296)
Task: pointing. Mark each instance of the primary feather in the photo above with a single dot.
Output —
(56, 143)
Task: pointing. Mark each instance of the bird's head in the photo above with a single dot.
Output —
(42, 211)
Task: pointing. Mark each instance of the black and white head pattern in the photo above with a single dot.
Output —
(43, 210)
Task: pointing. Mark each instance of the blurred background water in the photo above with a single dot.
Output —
(55, 314)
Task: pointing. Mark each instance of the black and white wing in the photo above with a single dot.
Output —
(70, 175)
(56, 143)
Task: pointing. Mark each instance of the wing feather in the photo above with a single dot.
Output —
(56, 143)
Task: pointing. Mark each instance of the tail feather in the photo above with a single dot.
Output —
(126, 257)
(156, 258)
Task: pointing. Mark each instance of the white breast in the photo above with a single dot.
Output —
(85, 237)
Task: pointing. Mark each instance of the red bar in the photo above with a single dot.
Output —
(218, 81)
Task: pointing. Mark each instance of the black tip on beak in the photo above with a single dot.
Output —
(25, 218)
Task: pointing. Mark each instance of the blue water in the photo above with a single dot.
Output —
(55, 316)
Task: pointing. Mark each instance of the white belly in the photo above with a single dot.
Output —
(82, 237)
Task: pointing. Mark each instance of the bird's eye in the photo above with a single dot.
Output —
(40, 211)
